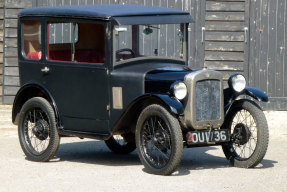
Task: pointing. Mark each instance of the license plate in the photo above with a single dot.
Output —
(207, 137)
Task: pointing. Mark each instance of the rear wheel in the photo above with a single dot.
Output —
(249, 135)
(117, 144)
(159, 140)
(37, 130)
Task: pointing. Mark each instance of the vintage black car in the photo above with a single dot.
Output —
(109, 72)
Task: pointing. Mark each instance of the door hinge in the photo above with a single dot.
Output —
(108, 71)
(202, 34)
(108, 107)
(245, 34)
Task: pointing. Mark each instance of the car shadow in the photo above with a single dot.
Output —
(200, 159)
(265, 163)
(96, 152)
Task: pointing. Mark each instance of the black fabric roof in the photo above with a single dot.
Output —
(121, 14)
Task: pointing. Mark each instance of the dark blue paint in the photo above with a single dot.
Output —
(21, 95)
(141, 78)
(160, 80)
(230, 96)
(256, 94)
(174, 105)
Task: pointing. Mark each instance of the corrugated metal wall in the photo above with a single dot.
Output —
(268, 50)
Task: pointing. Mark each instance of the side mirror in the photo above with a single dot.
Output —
(147, 31)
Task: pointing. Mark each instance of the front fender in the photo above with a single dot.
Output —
(256, 94)
(131, 114)
(230, 97)
(174, 105)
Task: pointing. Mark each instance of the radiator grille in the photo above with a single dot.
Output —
(207, 100)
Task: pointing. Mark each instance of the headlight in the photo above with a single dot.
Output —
(237, 82)
(179, 90)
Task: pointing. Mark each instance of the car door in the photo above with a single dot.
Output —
(75, 73)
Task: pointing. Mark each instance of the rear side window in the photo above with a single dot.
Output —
(76, 42)
(32, 39)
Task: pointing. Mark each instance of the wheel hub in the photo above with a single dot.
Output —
(241, 134)
(159, 140)
(40, 130)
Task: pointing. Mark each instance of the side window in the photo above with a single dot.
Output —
(32, 39)
(76, 42)
(61, 40)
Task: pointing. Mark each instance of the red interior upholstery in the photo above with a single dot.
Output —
(62, 55)
(86, 56)
(90, 56)
(34, 55)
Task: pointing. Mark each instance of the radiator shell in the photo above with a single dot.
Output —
(204, 106)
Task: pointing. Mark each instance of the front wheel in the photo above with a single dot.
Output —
(37, 130)
(159, 140)
(249, 135)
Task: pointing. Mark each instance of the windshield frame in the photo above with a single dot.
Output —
(185, 48)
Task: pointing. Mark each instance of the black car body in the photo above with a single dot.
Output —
(99, 86)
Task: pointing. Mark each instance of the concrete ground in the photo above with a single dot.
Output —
(88, 165)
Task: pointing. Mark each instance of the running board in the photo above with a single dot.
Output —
(81, 135)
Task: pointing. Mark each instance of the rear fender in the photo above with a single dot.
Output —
(25, 93)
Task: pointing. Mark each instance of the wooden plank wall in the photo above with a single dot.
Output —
(1, 46)
(262, 59)
(11, 72)
(225, 45)
(268, 50)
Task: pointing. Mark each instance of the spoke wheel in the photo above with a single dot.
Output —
(249, 135)
(156, 142)
(37, 131)
(118, 145)
(159, 140)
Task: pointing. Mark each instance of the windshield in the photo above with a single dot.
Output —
(149, 41)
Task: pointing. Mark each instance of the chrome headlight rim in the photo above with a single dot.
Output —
(237, 82)
(179, 90)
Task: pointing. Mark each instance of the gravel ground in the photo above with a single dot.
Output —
(88, 165)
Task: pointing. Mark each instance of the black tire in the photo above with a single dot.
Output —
(249, 135)
(37, 126)
(117, 144)
(165, 139)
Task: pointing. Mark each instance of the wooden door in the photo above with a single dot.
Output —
(226, 36)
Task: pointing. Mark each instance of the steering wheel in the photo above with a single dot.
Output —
(122, 56)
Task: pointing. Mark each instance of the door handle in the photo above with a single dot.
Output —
(245, 34)
(45, 69)
(202, 34)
